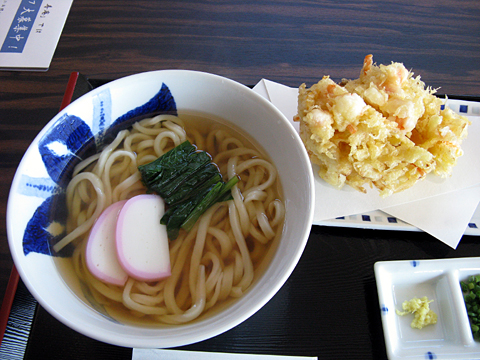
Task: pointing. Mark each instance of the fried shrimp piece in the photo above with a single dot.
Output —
(391, 90)
(382, 130)
(367, 65)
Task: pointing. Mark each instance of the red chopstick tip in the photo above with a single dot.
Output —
(67, 97)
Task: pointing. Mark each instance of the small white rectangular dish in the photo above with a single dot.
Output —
(439, 280)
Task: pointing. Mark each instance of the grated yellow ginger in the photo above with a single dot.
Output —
(383, 130)
(420, 308)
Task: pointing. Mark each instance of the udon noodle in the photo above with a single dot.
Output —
(213, 262)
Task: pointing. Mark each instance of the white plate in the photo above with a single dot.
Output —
(439, 280)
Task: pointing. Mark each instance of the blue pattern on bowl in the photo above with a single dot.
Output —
(163, 101)
(66, 143)
(37, 237)
(62, 146)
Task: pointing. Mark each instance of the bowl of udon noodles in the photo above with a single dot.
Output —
(229, 263)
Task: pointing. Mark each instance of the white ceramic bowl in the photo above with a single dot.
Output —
(47, 162)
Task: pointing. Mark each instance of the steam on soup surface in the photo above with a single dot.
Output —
(212, 264)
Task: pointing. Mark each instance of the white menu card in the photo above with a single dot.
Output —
(29, 32)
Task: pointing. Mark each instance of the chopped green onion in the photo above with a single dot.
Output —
(471, 295)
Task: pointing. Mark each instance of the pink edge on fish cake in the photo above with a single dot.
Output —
(141, 241)
(101, 255)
